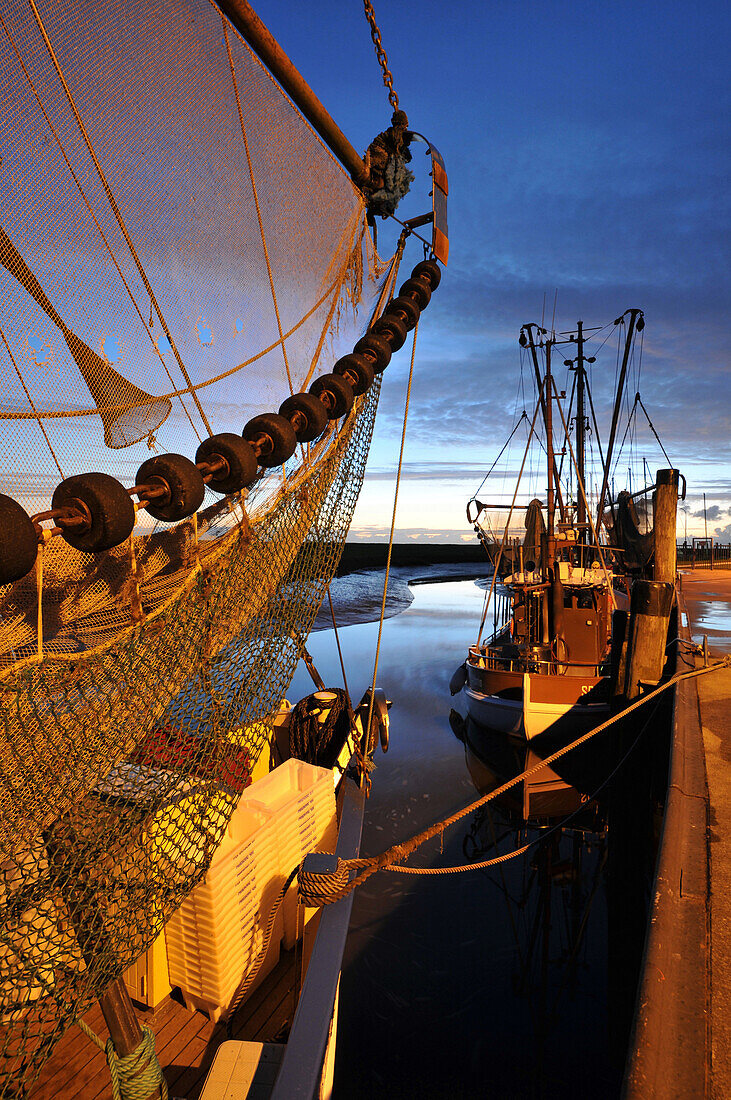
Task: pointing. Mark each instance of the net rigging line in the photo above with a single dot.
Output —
(52, 414)
(118, 215)
(93, 216)
(224, 22)
(372, 699)
(31, 402)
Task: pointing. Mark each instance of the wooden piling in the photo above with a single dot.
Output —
(665, 505)
(650, 606)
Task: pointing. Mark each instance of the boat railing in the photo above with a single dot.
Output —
(496, 660)
(502, 606)
(302, 1064)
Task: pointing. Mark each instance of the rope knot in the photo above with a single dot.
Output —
(136, 1076)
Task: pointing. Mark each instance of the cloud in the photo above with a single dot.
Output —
(713, 512)
(375, 533)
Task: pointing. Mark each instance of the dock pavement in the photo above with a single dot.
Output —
(707, 597)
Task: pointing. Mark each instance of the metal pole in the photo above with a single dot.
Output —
(539, 383)
(580, 460)
(550, 456)
(633, 315)
(268, 50)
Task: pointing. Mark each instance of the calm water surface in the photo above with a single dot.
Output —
(492, 983)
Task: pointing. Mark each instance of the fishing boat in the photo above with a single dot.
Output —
(195, 322)
(545, 669)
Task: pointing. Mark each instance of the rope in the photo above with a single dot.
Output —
(317, 888)
(390, 544)
(558, 827)
(652, 428)
(137, 1075)
(488, 597)
(96, 223)
(117, 213)
(340, 652)
(380, 53)
(398, 852)
(31, 402)
(246, 982)
(256, 203)
(91, 1034)
(318, 742)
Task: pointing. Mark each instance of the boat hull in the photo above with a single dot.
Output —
(545, 704)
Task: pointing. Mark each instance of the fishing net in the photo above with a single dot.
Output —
(178, 252)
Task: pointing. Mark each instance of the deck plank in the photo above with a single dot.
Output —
(185, 1042)
(73, 1055)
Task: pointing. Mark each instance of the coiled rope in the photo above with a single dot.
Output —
(137, 1075)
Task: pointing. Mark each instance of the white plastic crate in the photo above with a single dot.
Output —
(218, 932)
(301, 800)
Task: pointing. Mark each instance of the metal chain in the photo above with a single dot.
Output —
(380, 53)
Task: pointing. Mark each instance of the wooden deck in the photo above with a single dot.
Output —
(185, 1041)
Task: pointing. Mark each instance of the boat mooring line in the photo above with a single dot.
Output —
(399, 852)
(495, 860)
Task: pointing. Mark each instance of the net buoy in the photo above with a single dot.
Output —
(103, 502)
(181, 483)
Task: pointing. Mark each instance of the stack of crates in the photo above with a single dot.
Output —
(215, 937)
(218, 932)
(301, 799)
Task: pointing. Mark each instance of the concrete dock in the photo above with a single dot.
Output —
(707, 596)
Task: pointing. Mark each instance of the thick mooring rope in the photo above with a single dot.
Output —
(388, 860)
(137, 1075)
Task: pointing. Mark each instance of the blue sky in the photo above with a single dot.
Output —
(587, 147)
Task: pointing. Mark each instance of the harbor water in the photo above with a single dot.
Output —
(496, 982)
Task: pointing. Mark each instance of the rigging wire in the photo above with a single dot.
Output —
(390, 538)
(489, 594)
(652, 428)
(524, 416)
(32, 404)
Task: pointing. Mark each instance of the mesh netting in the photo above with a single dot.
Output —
(178, 252)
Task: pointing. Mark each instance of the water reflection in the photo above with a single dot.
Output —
(494, 982)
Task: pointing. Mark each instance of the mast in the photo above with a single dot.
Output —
(539, 383)
(580, 430)
(551, 461)
(636, 317)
